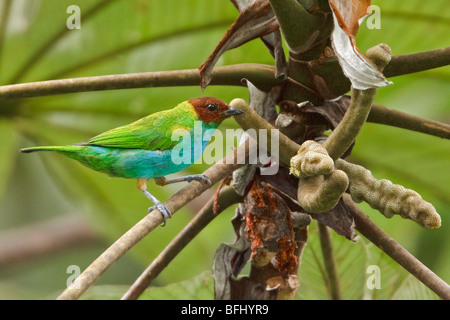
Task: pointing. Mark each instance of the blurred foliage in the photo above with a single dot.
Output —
(126, 36)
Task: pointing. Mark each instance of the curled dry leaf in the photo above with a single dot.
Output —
(256, 20)
(389, 198)
(348, 14)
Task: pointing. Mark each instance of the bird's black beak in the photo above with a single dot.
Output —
(231, 112)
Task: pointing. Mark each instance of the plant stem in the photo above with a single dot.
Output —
(377, 236)
(330, 262)
(43, 238)
(261, 75)
(151, 221)
(227, 197)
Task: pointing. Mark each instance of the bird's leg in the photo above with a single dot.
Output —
(142, 185)
(161, 181)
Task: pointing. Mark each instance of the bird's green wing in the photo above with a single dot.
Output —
(150, 133)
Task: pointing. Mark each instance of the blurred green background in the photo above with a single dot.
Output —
(124, 36)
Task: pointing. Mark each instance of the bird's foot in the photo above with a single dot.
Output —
(163, 209)
(199, 177)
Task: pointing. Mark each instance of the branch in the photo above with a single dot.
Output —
(356, 115)
(261, 75)
(144, 42)
(251, 120)
(151, 221)
(227, 197)
(31, 241)
(371, 231)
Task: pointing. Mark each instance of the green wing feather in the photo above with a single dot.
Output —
(150, 133)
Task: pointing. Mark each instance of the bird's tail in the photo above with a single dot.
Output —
(48, 148)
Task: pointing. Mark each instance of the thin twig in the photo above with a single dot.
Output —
(377, 236)
(416, 62)
(330, 262)
(227, 197)
(382, 115)
(215, 173)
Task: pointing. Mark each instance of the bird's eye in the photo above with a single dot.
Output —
(212, 107)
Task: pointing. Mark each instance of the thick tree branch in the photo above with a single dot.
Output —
(4, 18)
(215, 173)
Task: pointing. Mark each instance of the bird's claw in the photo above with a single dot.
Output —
(164, 211)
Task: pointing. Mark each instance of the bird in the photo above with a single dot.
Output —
(144, 149)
